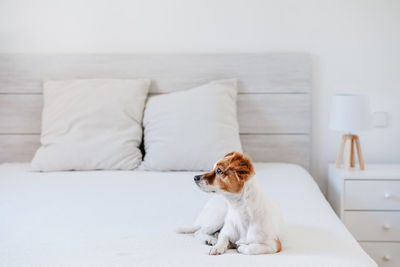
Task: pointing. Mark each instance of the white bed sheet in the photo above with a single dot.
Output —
(126, 218)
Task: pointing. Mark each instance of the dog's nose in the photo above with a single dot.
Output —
(197, 178)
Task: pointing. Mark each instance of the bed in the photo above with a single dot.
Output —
(127, 218)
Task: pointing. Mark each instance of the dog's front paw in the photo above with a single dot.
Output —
(217, 250)
(211, 241)
(242, 249)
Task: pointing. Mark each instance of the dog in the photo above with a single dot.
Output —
(240, 215)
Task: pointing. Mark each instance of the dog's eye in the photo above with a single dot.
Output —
(219, 172)
(242, 172)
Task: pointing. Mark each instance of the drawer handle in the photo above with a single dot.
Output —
(386, 226)
(386, 257)
(387, 195)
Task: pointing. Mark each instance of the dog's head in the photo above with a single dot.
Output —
(229, 174)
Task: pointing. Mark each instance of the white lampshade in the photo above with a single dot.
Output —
(350, 113)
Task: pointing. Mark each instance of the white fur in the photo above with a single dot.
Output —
(248, 219)
(210, 220)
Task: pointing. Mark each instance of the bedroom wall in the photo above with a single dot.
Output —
(354, 45)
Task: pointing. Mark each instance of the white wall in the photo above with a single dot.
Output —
(355, 45)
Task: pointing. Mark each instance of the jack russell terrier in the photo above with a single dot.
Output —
(240, 215)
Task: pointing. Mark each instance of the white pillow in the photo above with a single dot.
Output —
(192, 129)
(91, 124)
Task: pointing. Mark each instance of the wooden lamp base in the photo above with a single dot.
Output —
(347, 146)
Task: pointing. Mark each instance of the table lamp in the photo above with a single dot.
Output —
(350, 113)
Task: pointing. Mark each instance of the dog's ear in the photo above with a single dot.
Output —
(229, 154)
(242, 165)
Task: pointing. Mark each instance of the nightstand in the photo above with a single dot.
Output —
(368, 203)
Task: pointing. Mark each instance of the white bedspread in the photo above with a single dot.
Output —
(126, 218)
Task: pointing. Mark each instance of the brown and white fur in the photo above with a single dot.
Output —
(244, 216)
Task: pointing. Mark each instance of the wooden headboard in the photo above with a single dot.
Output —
(274, 102)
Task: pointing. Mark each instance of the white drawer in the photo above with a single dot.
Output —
(373, 225)
(385, 254)
(372, 195)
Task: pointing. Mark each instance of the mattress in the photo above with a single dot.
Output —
(127, 218)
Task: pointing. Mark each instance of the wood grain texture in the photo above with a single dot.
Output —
(18, 148)
(259, 113)
(261, 148)
(23, 73)
(20, 113)
(278, 148)
(277, 113)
